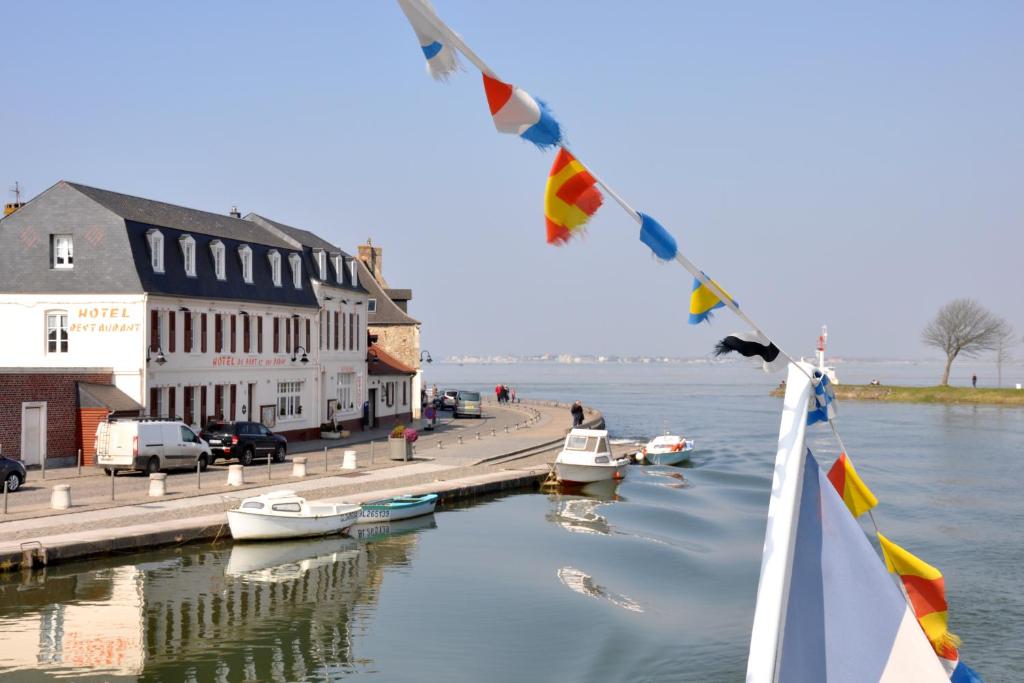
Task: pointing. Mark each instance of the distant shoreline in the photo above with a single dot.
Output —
(944, 395)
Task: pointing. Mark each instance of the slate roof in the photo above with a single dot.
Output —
(388, 312)
(91, 395)
(385, 363)
(303, 237)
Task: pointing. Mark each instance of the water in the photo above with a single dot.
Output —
(654, 580)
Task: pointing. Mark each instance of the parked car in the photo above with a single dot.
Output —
(12, 472)
(448, 399)
(149, 445)
(467, 403)
(245, 441)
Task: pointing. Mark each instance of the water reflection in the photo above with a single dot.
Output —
(579, 513)
(253, 612)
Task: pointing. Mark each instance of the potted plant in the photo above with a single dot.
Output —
(400, 442)
(329, 430)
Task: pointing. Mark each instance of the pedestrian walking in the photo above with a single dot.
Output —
(512, 394)
(974, 381)
(577, 414)
(497, 393)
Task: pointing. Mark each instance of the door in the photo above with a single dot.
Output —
(191, 448)
(33, 432)
(176, 449)
(371, 414)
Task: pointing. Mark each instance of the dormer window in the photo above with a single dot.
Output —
(245, 257)
(217, 251)
(371, 306)
(339, 274)
(62, 251)
(188, 254)
(275, 266)
(156, 250)
(321, 263)
(353, 266)
(295, 261)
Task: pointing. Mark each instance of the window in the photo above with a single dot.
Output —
(217, 252)
(57, 332)
(245, 333)
(156, 250)
(289, 400)
(371, 306)
(218, 332)
(245, 256)
(405, 397)
(286, 507)
(339, 272)
(233, 333)
(296, 263)
(353, 267)
(275, 267)
(259, 334)
(321, 263)
(389, 394)
(346, 390)
(188, 254)
(352, 332)
(154, 331)
(62, 253)
(188, 341)
(202, 333)
(277, 335)
(172, 331)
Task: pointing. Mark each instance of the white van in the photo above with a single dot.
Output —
(149, 445)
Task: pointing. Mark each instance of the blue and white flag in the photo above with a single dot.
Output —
(822, 407)
(442, 60)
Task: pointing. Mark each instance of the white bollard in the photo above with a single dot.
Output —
(349, 461)
(236, 475)
(60, 497)
(158, 484)
(298, 467)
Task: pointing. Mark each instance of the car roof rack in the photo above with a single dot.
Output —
(145, 419)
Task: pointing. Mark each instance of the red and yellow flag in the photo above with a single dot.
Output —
(851, 487)
(570, 199)
(927, 592)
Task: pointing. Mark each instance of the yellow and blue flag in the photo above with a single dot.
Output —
(703, 301)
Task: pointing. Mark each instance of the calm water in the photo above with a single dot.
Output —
(651, 581)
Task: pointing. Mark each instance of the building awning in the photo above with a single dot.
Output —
(106, 396)
(380, 362)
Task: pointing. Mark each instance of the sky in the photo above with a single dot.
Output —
(853, 165)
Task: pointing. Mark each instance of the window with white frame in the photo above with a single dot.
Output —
(321, 263)
(354, 268)
(289, 400)
(371, 306)
(275, 266)
(217, 251)
(188, 254)
(62, 252)
(57, 332)
(339, 274)
(346, 390)
(389, 394)
(245, 257)
(156, 250)
(295, 261)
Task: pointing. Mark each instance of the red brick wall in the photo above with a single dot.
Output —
(58, 390)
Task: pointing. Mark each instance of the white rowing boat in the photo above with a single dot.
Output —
(284, 514)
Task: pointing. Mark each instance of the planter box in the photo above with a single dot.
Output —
(399, 449)
(330, 435)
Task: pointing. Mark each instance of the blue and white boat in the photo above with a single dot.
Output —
(396, 508)
(667, 449)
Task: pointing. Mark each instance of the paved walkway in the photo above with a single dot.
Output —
(526, 433)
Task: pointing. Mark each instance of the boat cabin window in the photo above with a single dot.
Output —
(601, 459)
(253, 505)
(287, 507)
(576, 443)
(602, 445)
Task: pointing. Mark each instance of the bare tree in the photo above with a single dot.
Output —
(1003, 354)
(963, 326)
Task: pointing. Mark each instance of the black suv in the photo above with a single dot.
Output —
(12, 472)
(243, 440)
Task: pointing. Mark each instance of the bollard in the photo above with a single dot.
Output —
(348, 461)
(298, 467)
(113, 477)
(42, 465)
(492, 432)
(199, 481)
(236, 475)
(478, 436)
(158, 484)
(506, 429)
(60, 497)
(79, 462)
(460, 439)
(439, 444)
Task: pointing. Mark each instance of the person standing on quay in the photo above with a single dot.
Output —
(512, 394)
(497, 393)
(577, 414)
(974, 381)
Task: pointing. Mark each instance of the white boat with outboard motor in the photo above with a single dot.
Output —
(285, 514)
(586, 457)
(667, 449)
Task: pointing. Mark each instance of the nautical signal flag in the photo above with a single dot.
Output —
(751, 344)
(570, 199)
(851, 487)
(926, 590)
(822, 408)
(442, 60)
(703, 300)
(516, 112)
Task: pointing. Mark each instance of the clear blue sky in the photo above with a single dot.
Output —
(856, 165)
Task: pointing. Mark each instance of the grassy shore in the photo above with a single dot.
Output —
(954, 395)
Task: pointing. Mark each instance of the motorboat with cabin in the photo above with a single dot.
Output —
(667, 449)
(285, 514)
(586, 457)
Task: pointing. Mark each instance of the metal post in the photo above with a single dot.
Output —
(270, 459)
(371, 452)
(113, 476)
(325, 459)
(5, 496)
(79, 462)
(199, 481)
(42, 465)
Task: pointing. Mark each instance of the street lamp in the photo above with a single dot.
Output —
(304, 359)
(427, 353)
(160, 358)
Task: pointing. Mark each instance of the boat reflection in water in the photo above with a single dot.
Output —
(579, 513)
(280, 611)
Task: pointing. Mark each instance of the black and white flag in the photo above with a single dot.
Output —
(752, 344)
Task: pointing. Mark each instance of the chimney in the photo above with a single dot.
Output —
(11, 207)
(235, 213)
(373, 258)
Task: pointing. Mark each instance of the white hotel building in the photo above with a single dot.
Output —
(187, 313)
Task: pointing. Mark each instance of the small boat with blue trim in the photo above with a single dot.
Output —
(667, 449)
(284, 514)
(397, 507)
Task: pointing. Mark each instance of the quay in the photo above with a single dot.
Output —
(506, 450)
